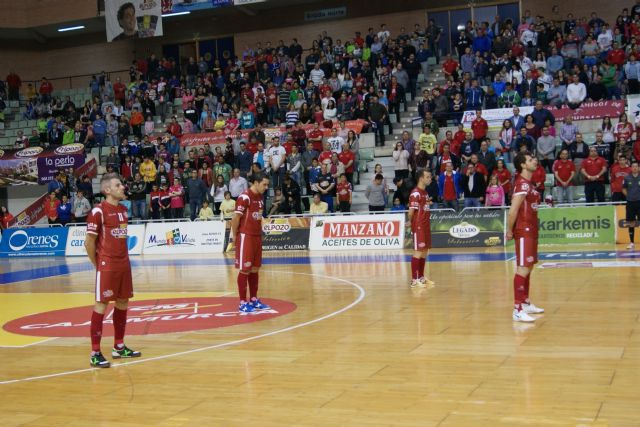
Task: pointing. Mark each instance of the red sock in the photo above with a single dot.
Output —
(415, 268)
(119, 326)
(423, 262)
(253, 285)
(526, 289)
(96, 330)
(242, 286)
(518, 290)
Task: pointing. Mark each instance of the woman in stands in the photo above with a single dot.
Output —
(5, 217)
(624, 128)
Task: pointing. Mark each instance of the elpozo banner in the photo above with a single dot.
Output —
(470, 228)
(78, 234)
(588, 224)
(328, 233)
(285, 234)
(133, 19)
(37, 165)
(28, 242)
(201, 237)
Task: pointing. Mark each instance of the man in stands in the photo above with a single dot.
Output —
(420, 219)
(619, 170)
(564, 171)
(594, 169)
(106, 245)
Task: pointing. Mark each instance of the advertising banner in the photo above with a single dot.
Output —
(89, 169)
(586, 111)
(633, 107)
(218, 138)
(177, 6)
(469, 228)
(331, 233)
(622, 231)
(31, 214)
(285, 234)
(78, 234)
(37, 165)
(27, 242)
(588, 224)
(202, 237)
(126, 19)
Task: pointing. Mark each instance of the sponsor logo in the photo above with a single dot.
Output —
(492, 241)
(147, 5)
(333, 230)
(108, 293)
(120, 233)
(69, 149)
(464, 230)
(149, 317)
(29, 152)
(529, 259)
(276, 227)
(597, 223)
(21, 239)
(171, 237)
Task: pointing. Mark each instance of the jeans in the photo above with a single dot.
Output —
(613, 92)
(593, 190)
(450, 204)
(139, 208)
(379, 129)
(564, 194)
(425, 69)
(278, 177)
(472, 202)
(328, 200)
(194, 208)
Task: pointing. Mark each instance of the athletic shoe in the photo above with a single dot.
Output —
(97, 360)
(245, 307)
(259, 305)
(521, 316)
(416, 283)
(124, 353)
(427, 282)
(631, 246)
(532, 309)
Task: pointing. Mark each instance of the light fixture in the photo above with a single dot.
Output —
(77, 27)
(167, 15)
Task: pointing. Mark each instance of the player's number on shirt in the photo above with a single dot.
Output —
(120, 216)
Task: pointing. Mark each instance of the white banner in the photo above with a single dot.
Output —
(357, 232)
(128, 19)
(202, 237)
(77, 236)
(494, 117)
(633, 107)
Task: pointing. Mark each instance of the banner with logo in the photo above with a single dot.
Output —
(89, 169)
(77, 235)
(177, 6)
(588, 224)
(129, 20)
(340, 233)
(218, 138)
(633, 107)
(37, 165)
(285, 234)
(622, 231)
(28, 242)
(31, 214)
(469, 228)
(586, 111)
(202, 237)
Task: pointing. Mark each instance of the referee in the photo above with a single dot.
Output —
(631, 189)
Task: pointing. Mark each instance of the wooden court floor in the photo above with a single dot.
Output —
(358, 348)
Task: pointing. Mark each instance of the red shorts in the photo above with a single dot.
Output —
(248, 251)
(113, 285)
(526, 251)
(421, 239)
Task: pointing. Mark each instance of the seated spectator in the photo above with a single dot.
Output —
(206, 213)
(318, 207)
(576, 92)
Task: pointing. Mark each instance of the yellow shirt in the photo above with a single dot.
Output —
(320, 208)
(219, 124)
(206, 213)
(148, 171)
(428, 143)
(228, 207)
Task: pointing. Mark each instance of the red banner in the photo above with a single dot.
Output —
(31, 214)
(590, 110)
(89, 169)
(216, 138)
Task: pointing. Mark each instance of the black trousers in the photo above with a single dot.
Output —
(593, 191)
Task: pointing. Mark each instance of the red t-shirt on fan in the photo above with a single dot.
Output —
(527, 221)
(564, 168)
(109, 223)
(250, 205)
(419, 201)
(593, 165)
(617, 177)
(344, 190)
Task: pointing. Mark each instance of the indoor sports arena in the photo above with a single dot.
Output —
(319, 213)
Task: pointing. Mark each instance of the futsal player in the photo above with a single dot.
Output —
(106, 245)
(631, 190)
(522, 225)
(246, 229)
(420, 218)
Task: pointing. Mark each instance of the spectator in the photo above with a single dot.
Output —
(495, 193)
(619, 170)
(318, 207)
(540, 115)
(51, 208)
(564, 171)
(546, 149)
(631, 190)
(81, 207)
(5, 218)
(205, 213)
(594, 169)
(576, 93)
(326, 186)
(474, 186)
(376, 194)
(485, 157)
(176, 194)
(401, 161)
(196, 191)
(291, 196)
(449, 186)
(217, 192)
(138, 190)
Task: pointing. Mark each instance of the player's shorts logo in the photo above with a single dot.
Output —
(422, 245)
(248, 264)
(108, 293)
(529, 259)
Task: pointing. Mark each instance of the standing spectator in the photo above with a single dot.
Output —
(196, 191)
(376, 194)
(81, 207)
(326, 185)
(138, 190)
(631, 190)
(5, 218)
(474, 186)
(546, 149)
(378, 116)
(176, 193)
(277, 162)
(576, 92)
(486, 158)
(344, 191)
(217, 192)
(540, 116)
(13, 83)
(45, 90)
(237, 184)
(619, 170)
(564, 171)
(495, 193)
(65, 211)
(228, 206)
(504, 178)
(479, 127)
(51, 208)
(291, 196)
(401, 161)
(594, 169)
(449, 186)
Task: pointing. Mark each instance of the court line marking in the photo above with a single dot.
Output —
(357, 301)
(31, 344)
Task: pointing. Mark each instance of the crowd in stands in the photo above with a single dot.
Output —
(536, 62)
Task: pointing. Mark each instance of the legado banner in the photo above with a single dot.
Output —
(589, 224)
(78, 234)
(285, 234)
(26, 242)
(357, 232)
(202, 237)
(469, 228)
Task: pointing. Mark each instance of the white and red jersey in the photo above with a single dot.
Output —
(250, 206)
(624, 130)
(109, 223)
(527, 220)
(420, 202)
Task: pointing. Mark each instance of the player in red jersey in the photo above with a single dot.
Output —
(106, 245)
(246, 227)
(522, 225)
(420, 218)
